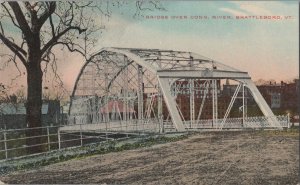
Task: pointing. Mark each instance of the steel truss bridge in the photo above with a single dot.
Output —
(138, 89)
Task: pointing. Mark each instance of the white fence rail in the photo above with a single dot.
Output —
(13, 141)
(234, 123)
(151, 125)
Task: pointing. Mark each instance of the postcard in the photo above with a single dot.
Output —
(149, 92)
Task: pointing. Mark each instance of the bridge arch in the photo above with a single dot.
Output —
(133, 84)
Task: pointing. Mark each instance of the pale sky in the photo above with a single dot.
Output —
(266, 49)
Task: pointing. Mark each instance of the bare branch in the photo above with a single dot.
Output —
(9, 14)
(11, 58)
(20, 73)
(51, 9)
(5, 63)
(14, 48)
(33, 15)
(147, 6)
(20, 18)
(7, 42)
(55, 39)
(71, 48)
(2, 31)
(52, 26)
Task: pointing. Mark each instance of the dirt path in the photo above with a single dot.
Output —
(214, 158)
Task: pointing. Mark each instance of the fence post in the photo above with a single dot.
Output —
(5, 144)
(48, 135)
(58, 137)
(288, 120)
(143, 125)
(80, 135)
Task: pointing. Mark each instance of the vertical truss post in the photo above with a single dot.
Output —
(106, 96)
(84, 84)
(160, 102)
(192, 94)
(243, 122)
(216, 100)
(140, 94)
(192, 102)
(159, 110)
(171, 104)
(92, 112)
(126, 89)
(246, 103)
(93, 101)
(93, 81)
(214, 94)
(213, 103)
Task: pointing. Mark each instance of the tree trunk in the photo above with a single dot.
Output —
(33, 109)
(34, 97)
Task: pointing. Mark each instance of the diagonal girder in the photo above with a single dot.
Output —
(171, 104)
(264, 107)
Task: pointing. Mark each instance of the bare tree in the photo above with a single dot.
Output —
(31, 30)
(37, 28)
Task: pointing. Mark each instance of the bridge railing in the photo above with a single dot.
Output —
(234, 123)
(13, 141)
(133, 125)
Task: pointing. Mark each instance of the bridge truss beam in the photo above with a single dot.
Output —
(125, 75)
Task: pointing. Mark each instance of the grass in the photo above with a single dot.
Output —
(290, 132)
(33, 162)
(85, 151)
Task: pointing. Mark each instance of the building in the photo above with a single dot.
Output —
(275, 100)
(290, 95)
(272, 94)
(13, 115)
(283, 96)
